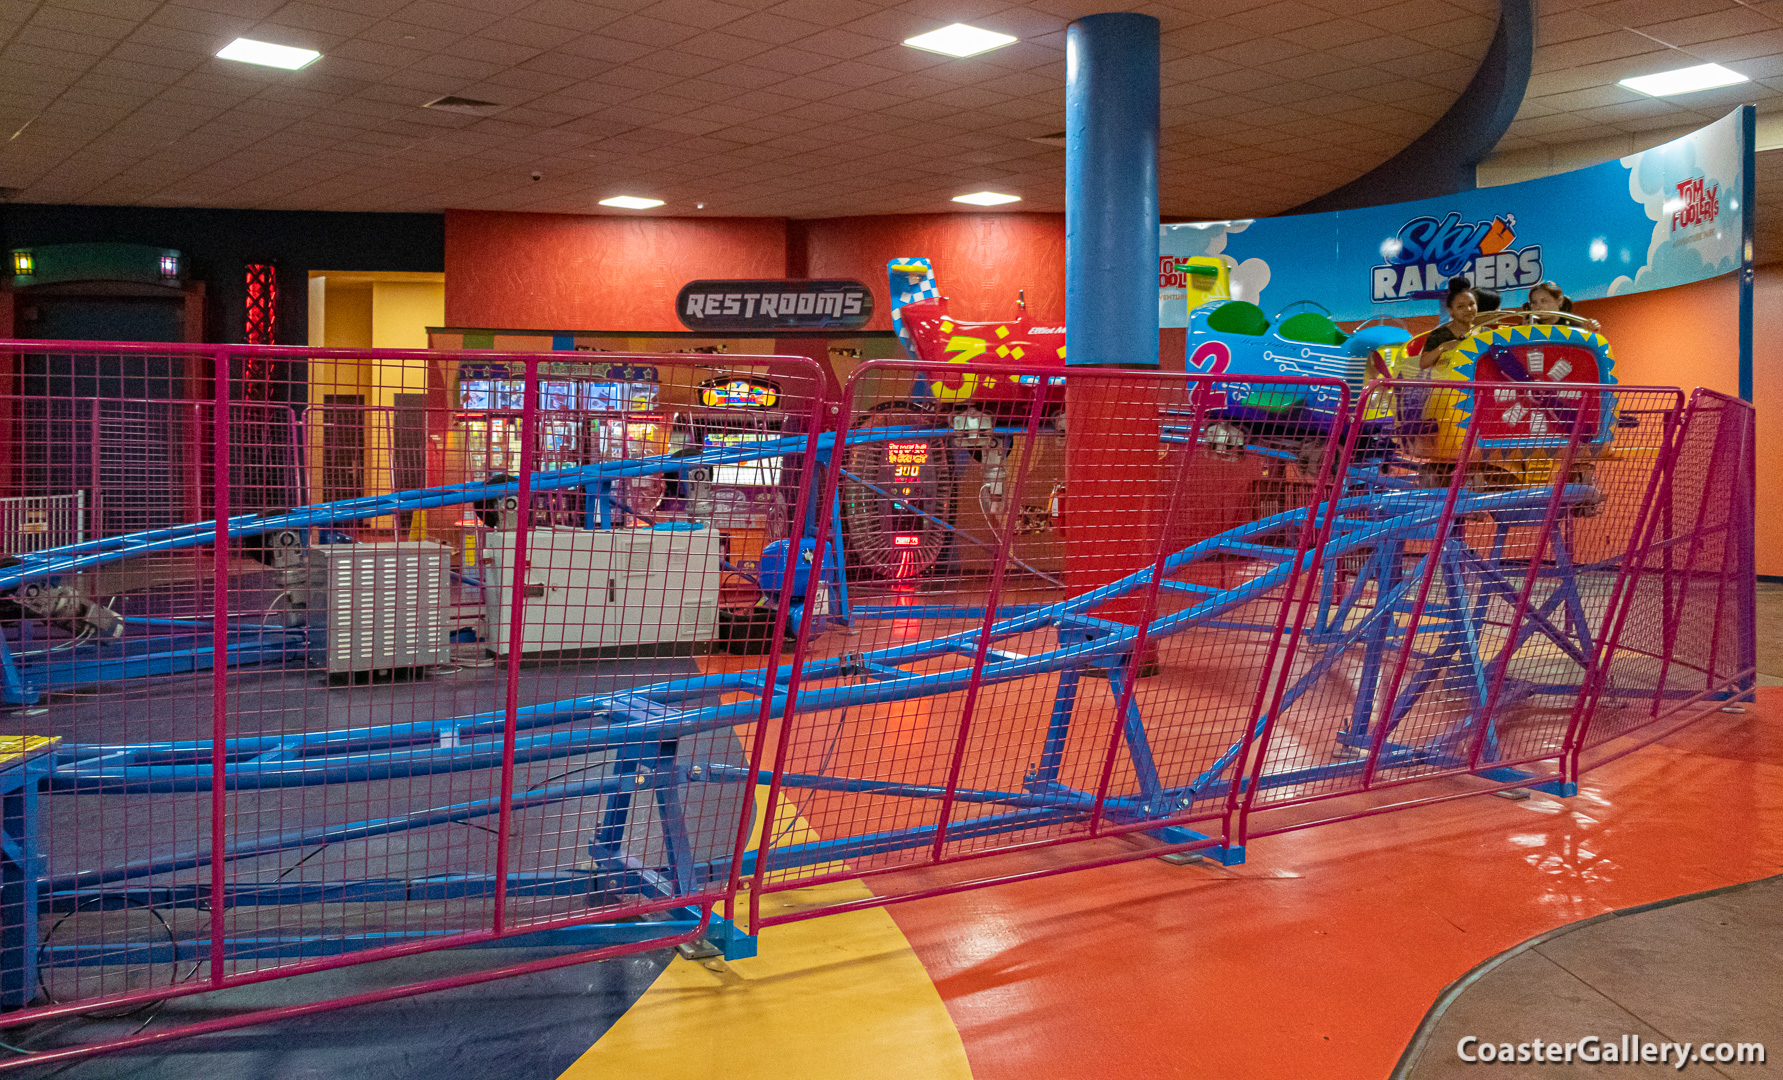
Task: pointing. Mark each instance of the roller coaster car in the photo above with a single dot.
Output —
(1236, 338)
(931, 333)
(1522, 401)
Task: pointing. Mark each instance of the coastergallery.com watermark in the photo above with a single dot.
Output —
(1592, 1050)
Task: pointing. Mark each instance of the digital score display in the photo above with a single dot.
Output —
(907, 459)
(897, 492)
(739, 394)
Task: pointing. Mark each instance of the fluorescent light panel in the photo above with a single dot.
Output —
(959, 40)
(987, 198)
(631, 202)
(1683, 81)
(266, 54)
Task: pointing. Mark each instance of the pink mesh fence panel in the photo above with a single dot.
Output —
(612, 645)
(1687, 636)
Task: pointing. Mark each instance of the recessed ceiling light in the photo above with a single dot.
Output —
(1683, 81)
(987, 198)
(266, 54)
(631, 202)
(959, 40)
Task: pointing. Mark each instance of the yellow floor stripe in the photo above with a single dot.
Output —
(843, 996)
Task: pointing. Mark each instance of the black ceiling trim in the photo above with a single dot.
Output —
(1443, 159)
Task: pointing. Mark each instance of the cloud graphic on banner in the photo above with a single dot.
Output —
(1208, 238)
(1203, 237)
(1249, 278)
(1690, 190)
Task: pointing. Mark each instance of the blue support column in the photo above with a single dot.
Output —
(1111, 191)
(1745, 515)
(1748, 177)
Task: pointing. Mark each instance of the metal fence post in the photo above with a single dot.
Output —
(219, 793)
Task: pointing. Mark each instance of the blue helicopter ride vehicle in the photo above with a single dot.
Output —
(1236, 338)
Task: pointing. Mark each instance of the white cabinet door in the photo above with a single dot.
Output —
(597, 589)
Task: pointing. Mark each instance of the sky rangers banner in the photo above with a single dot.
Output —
(1663, 217)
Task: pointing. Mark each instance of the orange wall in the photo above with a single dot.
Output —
(981, 260)
(1767, 395)
(589, 272)
(1689, 337)
(572, 272)
(1686, 336)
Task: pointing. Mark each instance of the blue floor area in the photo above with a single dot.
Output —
(530, 1027)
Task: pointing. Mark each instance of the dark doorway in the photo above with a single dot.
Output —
(408, 449)
(101, 318)
(343, 446)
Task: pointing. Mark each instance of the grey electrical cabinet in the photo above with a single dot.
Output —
(387, 605)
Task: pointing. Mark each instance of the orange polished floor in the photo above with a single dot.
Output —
(1320, 955)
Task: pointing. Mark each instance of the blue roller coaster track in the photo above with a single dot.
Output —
(1377, 523)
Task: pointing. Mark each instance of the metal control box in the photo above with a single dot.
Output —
(605, 588)
(387, 605)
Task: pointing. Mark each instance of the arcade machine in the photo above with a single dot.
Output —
(750, 503)
(620, 417)
(745, 501)
(488, 419)
(897, 495)
(587, 414)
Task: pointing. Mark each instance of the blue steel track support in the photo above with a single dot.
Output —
(1384, 565)
(13, 688)
(1058, 728)
(1139, 750)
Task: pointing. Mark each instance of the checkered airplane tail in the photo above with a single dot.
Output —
(911, 280)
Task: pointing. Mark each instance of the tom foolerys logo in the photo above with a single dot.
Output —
(1427, 252)
(1696, 203)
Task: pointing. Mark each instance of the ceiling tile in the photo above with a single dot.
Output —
(642, 30)
(439, 16)
(1647, 12)
(1278, 18)
(1258, 51)
(83, 22)
(60, 59)
(703, 14)
(566, 66)
(602, 47)
(1331, 32)
(1746, 46)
